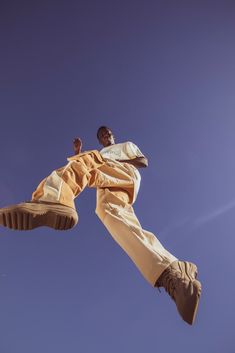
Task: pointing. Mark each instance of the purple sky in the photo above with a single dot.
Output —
(161, 74)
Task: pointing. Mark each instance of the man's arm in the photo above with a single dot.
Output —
(77, 145)
(138, 162)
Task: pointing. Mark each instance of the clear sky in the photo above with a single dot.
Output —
(160, 74)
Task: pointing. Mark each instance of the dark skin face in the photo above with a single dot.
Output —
(106, 137)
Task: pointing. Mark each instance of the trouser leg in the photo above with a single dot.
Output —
(65, 183)
(142, 246)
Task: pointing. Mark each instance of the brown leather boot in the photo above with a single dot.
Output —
(33, 214)
(179, 281)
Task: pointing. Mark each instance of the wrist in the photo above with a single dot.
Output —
(77, 151)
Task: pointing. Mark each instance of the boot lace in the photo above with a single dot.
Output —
(169, 281)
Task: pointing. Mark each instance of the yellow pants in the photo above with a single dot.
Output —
(116, 192)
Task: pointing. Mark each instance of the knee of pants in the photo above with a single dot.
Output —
(102, 203)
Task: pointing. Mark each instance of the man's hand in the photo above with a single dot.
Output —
(77, 145)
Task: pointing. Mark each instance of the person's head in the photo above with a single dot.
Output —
(105, 136)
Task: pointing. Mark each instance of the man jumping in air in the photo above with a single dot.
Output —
(113, 171)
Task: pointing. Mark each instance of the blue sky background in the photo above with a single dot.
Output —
(161, 74)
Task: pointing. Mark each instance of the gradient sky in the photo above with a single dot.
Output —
(161, 74)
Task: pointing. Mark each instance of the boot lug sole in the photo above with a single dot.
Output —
(27, 216)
